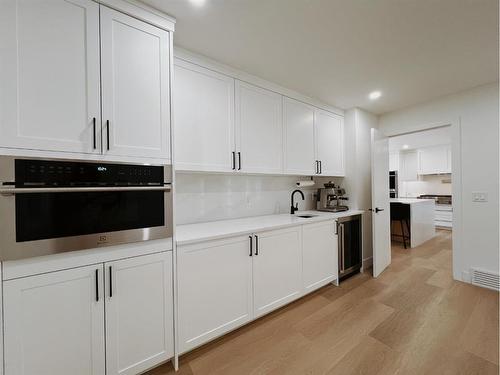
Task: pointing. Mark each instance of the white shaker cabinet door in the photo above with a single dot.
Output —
(433, 160)
(54, 323)
(259, 129)
(49, 74)
(320, 254)
(139, 313)
(329, 139)
(277, 269)
(299, 138)
(409, 170)
(135, 87)
(203, 119)
(215, 289)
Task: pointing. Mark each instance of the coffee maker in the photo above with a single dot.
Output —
(330, 197)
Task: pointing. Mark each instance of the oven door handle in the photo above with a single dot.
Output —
(13, 191)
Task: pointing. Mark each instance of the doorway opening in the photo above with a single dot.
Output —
(422, 169)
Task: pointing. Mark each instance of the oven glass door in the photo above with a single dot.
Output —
(54, 215)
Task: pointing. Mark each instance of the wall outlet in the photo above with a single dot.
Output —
(480, 196)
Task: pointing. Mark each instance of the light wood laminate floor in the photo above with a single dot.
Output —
(413, 319)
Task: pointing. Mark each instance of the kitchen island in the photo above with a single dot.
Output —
(421, 219)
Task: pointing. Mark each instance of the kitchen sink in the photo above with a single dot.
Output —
(306, 216)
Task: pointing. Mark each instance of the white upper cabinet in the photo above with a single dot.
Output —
(434, 160)
(49, 91)
(394, 161)
(203, 118)
(224, 124)
(139, 313)
(320, 254)
(277, 269)
(259, 129)
(409, 166)
(299, 138)
(54, 323)
(329, 139)
(135, 87)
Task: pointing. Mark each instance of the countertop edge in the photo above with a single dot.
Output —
(323, 216)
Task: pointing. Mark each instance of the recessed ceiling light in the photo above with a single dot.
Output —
(197, 3)
(406, 147)
(375, 95)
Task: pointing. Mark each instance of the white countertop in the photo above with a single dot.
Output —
(410, 200)
(192, 233)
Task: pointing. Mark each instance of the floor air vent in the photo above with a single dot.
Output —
(485, 279)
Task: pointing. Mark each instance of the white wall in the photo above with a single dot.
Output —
(208, 197)
(358, 124)
(476, 241)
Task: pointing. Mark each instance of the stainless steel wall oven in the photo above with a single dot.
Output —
(49, 206)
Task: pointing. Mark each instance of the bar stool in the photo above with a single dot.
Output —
(401, 212)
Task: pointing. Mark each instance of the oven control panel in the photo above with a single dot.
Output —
(43, 173)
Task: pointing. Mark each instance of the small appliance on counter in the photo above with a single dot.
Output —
(329, 197)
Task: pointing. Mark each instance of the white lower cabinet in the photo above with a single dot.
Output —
(319, 254)
(277, 269)
(225, 283)
(55, 322)
(215, 289)
(139, 313)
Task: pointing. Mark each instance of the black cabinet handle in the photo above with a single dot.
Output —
(256, 245)
(97, 285)
(320, 167)
(239, 161)
(94, 129)
(317, 166)
(251, 245)
(234, 160)
(110, 282)
(107, 134)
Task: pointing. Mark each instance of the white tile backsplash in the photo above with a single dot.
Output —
(431, 184)
(204, 197)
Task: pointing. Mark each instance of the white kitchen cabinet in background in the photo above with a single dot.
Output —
(135, 87)
(139, 313)
(49, 91)
(299, 138)
(259, 129)
(409, 166)
(394, 161)
(329, 142)
(215, 289)
(434, 160)
(319, 254)
(204, 119)
(277, 269)
(54, 323)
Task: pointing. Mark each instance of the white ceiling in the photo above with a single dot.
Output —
(340, 50)
(427, 138)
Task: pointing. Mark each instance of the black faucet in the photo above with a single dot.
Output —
(294, 207)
